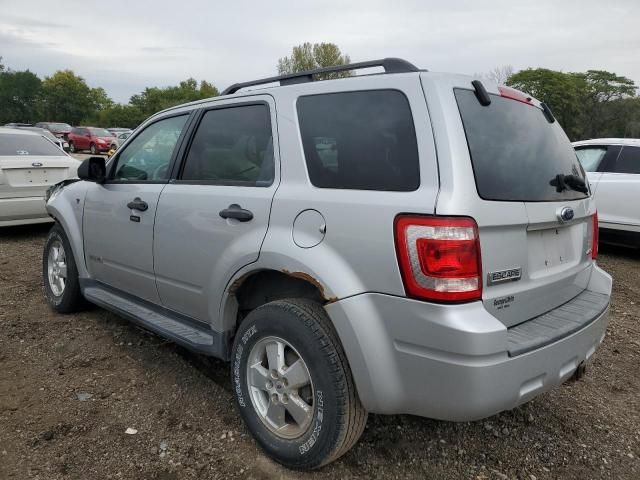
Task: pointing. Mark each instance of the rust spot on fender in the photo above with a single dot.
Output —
(309, 278)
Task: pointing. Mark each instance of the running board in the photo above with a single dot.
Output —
(182, 330)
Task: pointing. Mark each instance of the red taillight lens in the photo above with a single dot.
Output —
(439, 257)
(594, 237)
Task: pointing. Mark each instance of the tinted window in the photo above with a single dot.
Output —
(13, 145)
(100, 132)
(628, 161)
(232, 145)
(515, 151)
(590, 157)
(360, 140)
(148, 155)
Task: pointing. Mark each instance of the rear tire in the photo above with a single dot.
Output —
(302, 420)
(93, 149)
(60, 274)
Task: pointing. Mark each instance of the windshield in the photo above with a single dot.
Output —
(100, 132)
(26, 144)
(516, 153)
(60, 126)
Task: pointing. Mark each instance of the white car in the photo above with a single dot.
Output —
(613, 170)
(29, 165)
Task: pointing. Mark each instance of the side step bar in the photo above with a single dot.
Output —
(181, 329)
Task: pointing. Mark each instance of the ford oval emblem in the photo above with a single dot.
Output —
(566, 214)
(36, 164)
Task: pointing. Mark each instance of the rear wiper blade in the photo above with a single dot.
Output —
(569, 182)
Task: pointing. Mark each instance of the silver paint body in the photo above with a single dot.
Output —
(442, 361)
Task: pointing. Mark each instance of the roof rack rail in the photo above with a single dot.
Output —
(390, 65)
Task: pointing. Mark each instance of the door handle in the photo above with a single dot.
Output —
(138, 204)
(236, 211)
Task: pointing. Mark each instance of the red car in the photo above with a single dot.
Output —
(90, 138)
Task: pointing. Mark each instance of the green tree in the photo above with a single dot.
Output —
(19, 95)
(311, 56)
(118, 116)
(66, 97)
(601, 88)
(563, 92)
(154, 99)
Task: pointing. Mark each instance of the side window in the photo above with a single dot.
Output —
(628, 161)
(590, 157)
(232, 146)
(148, 155)
(360, 140)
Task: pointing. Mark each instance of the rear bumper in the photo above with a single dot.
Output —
(452, 362)
(22, 211)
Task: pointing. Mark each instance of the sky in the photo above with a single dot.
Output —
(125, 46)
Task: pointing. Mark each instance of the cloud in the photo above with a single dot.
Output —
(125, 46)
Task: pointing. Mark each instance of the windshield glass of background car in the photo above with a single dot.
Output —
(591, 157)
(64, 126)
(100, 132)
(28, 145)
(515, 151)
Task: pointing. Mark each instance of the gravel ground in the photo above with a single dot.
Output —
(70, 385)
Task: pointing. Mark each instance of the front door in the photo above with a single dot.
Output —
(119, 214)
(212, 219)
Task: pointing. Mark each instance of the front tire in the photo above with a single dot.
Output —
(72, 147)
(293, 385)
(60, 274)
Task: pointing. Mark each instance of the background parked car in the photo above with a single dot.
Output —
(57, 128)
(117, 130)
(120, 139)
(613, 170)
(90, 138)
(29, 165)
(60, 142)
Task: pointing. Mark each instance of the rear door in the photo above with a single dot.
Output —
(535, 237)
(213, 217)
(618, 191)
(119, 215)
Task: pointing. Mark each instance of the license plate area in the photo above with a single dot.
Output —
(553, 250)
(34, 177)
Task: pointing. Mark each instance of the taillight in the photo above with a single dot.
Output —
(439, 257)
(594, 237)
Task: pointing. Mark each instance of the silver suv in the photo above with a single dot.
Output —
(403, 242)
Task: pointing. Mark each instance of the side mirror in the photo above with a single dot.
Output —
(93, 169)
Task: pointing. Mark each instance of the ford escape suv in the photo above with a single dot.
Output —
(400, 242)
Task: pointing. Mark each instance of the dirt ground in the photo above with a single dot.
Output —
(70, 385)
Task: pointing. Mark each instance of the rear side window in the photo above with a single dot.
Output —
(360, 140)
(232, 146)
(515, 151)
(591, 157)
(628, 161)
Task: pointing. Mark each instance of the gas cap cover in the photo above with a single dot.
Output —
(309, 228)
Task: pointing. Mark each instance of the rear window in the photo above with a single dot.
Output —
(359, 140)
(16, 145)
(515, 151)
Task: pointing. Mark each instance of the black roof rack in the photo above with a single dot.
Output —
(390, 65)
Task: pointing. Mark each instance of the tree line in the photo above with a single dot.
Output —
(590, 104)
